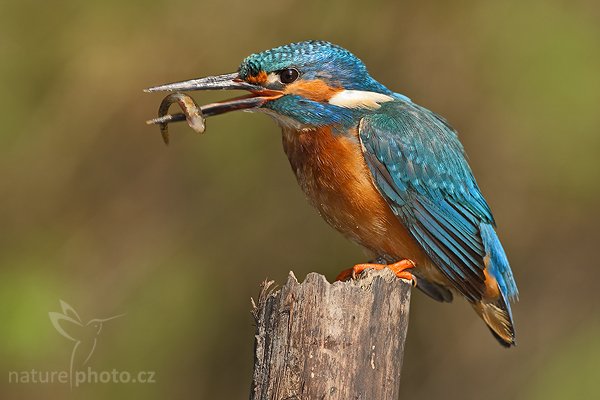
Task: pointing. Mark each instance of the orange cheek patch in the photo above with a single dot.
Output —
(315, 90)
(258, 79)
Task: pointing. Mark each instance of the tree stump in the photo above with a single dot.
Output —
(317, 340)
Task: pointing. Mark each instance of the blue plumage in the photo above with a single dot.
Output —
(498, 262)
(315, 59)
(313, 113)
(419, 166)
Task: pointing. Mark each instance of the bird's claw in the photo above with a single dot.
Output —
(400, 269)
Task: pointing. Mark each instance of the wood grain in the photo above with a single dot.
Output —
(317, 340)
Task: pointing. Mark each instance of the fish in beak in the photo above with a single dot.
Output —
(196, 115)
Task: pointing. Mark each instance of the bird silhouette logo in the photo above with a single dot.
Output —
(84, 335)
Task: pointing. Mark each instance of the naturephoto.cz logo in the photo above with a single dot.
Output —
(85, 336)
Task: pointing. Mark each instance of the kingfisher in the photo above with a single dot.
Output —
(384, 171)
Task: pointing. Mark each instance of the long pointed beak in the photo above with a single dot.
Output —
(219, 82)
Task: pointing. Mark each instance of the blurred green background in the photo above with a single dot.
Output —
(96, 211)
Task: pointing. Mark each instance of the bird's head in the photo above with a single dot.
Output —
(304, 85)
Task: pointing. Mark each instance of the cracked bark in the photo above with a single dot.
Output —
(316, 340)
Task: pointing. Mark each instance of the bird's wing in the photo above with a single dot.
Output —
(419, 166)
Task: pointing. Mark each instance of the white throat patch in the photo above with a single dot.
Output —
(359, 99)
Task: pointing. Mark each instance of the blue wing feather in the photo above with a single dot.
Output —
(418, 165)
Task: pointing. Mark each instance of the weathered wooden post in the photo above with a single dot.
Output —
(316, 340)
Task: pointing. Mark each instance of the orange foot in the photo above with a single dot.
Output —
(399, 268)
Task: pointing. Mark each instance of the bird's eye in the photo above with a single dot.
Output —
(288, 75)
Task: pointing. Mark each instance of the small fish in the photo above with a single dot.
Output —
(191, 113)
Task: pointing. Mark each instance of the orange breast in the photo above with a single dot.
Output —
(331, 170)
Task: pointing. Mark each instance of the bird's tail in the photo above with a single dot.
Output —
(494, 307)
(498, 317)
